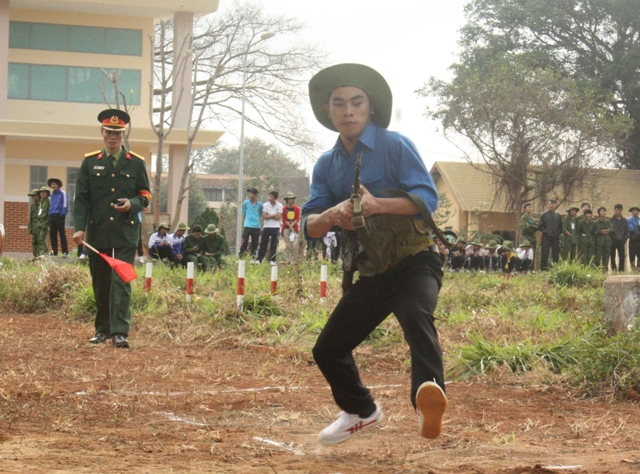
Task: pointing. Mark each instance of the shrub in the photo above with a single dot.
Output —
(571, 273)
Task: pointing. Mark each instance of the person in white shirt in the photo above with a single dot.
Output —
(524, 255)
(272, 215)
(161, 245)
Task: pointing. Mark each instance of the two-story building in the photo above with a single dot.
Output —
(53, 59)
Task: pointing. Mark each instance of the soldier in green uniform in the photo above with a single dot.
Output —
(570, 234)
(112, 188)
(602, 231)
(42, 219)
(216, 246)
(194, 249)
(529, 226)
(586, 237)
(32, 225)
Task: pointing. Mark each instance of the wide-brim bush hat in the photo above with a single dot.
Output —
(507, 244)
(211, 229)
(573, 208)
(53, 180)
(355, 75)
(33, 192)
(182, 226)
(634, 207)
(163, 225)
(289, 195)
(526, 243)
(45, 188)
(475, 242)
(492, 245)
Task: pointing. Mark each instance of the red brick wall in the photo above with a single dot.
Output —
(16, 215)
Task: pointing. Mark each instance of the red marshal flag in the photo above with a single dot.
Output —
(125, 270)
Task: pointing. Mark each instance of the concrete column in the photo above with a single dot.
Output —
(177, 160)
(183, 28)
(621, 301)
(4, 81)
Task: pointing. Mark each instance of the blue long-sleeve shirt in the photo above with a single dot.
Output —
(178, 243)
(632, 223)
(59, 203)
(389, 161)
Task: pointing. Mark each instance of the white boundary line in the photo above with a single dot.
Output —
(287, 447)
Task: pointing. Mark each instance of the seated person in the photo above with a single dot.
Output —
(473, 257)
(508, 258)
(456, 256)
(524, 257)
(161, 245)
(178, 243)
(216, 247)
(491, 257)
(194, 249)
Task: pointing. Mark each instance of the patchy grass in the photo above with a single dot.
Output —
(547, 323)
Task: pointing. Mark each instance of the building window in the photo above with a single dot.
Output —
(77, 39)
(37, 177)
(213, 194)
(72, 177)
(69, 83)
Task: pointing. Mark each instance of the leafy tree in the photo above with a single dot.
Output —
(595, 42)
(536, 130)
(206, 217)
(197, 199)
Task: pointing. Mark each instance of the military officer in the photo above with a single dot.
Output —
(112, 188)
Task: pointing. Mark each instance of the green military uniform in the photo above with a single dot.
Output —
(102, 180)
(215, 245)
(586, 240)
(569, 236)
(42, 222)
(603, 243)
(32, 225)
(194, 249)
(528, 226)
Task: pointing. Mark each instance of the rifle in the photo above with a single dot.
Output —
(349, 244)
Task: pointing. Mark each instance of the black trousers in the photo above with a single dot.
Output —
(410, 292)
(618, 247)
(163, 251)
(549, 244)
(269, 233)
(254, 234)
(634, 251)
(56, 226)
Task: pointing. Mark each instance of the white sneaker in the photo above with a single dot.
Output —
(347, 425)
(141, 259)
(273, 264)
(82, 257)
(431, 403)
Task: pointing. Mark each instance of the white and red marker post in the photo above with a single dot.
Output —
(240, 292)
(190, 271)
(274, 279)
(323, 283)
(148, 275)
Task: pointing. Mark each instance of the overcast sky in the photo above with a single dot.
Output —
(407, 41)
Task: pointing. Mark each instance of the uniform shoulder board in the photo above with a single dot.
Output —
(136, 155)
(87, 155)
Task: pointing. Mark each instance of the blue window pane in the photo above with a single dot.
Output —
(48, 82)
(84, 84)
(85, 39)
(129, 84)
(121, 41)
(18, 81)
(49, 37)
(18, 34)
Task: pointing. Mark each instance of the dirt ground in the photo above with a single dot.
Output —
(68, 407)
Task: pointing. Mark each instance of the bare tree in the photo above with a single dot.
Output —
(229, 50)
(118, 96)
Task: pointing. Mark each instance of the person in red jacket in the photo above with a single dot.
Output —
(289, 230)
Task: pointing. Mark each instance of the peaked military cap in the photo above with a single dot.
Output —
(114, 119)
